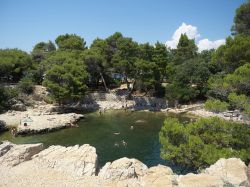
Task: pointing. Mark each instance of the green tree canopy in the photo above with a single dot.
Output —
(186, 49)
(200, 144)
(66, 81)
(13, 64)
(41, 49)
(242, 20)
(235, 53)
(70, 42)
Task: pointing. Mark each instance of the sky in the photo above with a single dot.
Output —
(23, 23)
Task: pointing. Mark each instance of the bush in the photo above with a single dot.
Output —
(6, 94)
(215, 105)
(238, 101)
(26, 85)
(200, 144)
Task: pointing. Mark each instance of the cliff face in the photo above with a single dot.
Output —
(29, 165)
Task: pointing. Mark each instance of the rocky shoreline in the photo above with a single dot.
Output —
(31, 165)
(42, 117)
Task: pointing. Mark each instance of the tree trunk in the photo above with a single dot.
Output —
(104, 83)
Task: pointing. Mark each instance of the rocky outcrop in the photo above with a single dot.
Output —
(28, 165)
(199, 180)
(159, 176)
(122, 169)
(13, 155)
(232, 171)
(17, 105)
(5, 147)
(78, 161)
(30, 122)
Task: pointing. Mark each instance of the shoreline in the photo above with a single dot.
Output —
(47, 117)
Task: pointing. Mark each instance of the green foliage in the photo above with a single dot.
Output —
(242, 20)
(216, 105)
(66, 81)
(186, 49)
(161, 58)
(235, 53)
(199, 144)
(41, 49)
(26, 85)
(70, 42)
(179, 93)
(239, 81)
(217, 87)
(238, 101)
(13, 64)
(6, 94)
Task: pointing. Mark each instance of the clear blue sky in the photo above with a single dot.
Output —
(23, 23)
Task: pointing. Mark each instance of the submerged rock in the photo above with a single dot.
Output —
(78, 161)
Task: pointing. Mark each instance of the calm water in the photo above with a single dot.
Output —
(98, 131)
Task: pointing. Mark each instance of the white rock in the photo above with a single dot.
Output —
(19, 153)
(79, 161)
(159, 176)
(232, 171)
(199, 180)
(5, 147)
(123, 168)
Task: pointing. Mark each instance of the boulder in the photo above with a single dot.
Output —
(5, 147)
(123, 168)
(248, 172)
(3, 126)
(159, 176)
(78, 161)
(232, 171)
(199, 180)
(19, 106)
(17, 154)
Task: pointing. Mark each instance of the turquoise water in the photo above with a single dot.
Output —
(98, 131)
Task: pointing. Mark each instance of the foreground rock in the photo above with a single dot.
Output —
(122, 169)
(78, 161)
(232, 171)
(28, 165)
(12, 155)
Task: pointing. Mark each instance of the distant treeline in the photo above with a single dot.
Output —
(68, 68)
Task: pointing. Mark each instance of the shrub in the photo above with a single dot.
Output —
(26, 85)
(238, 101)
(200, 144)
(6, 94)
(216, 105)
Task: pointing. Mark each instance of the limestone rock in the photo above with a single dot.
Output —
(19, 153)
(5, 147)
(232, 171)
(78, 161)
(18, 105)
(123, 168)
(199, 180)
(159, 176)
